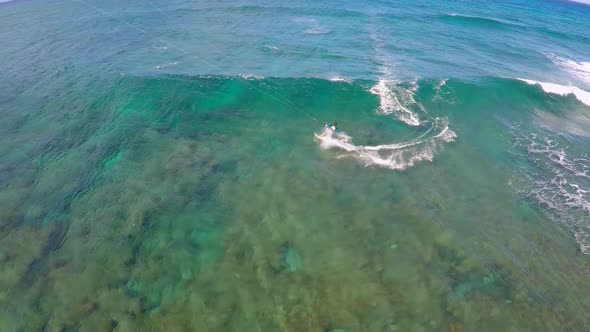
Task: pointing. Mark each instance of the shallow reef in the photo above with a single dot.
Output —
(153, 212)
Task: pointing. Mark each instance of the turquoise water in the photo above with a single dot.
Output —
(160, 171)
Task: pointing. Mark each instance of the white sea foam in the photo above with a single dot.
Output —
(396, 156)
(394, 97)
(397, 100)
(582, 95)
(166, 65)
(251, 76)
(339, 79)
(316, 31)
(580, 70)
(558, 182)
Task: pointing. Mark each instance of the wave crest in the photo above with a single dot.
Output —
(563, 90)
(478, 21)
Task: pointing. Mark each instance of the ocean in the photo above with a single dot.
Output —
(164, 165)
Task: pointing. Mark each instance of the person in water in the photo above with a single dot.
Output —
(329, 128)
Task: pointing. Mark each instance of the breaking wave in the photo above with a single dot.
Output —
(563, 90)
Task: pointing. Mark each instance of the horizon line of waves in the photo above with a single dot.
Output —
(563, 90)
(396, 100)
(578, 69)
(396, 156)
(558, 183)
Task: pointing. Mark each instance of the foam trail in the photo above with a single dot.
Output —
(559, 183)
(397, 156)
(393, 98)
(396, 100)
(580, 70)
(582, 95)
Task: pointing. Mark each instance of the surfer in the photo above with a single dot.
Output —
(329, 129)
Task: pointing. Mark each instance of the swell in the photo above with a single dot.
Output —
(477, 21)
(274, 10)
(473, 21)
(560, 35)
(513, 90)
(173, 104)
(407, 100)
